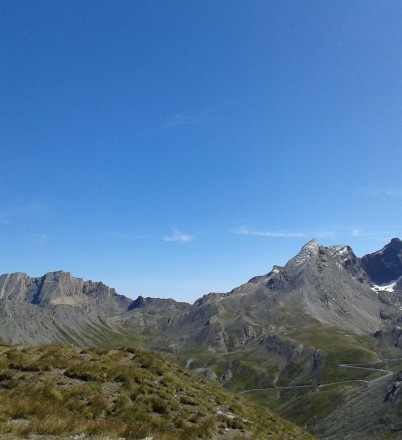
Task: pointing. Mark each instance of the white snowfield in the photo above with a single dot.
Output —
(384, 287)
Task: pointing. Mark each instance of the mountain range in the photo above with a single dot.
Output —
(314, 339)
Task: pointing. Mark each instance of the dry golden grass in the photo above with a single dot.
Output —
(127, 392)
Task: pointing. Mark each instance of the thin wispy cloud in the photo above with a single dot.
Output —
(332, 232)
(178, 237)
(370, 234)
(382, 192)
(274, 234)
(342, 232)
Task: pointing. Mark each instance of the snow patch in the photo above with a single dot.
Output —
(384, 287)
(340, 250)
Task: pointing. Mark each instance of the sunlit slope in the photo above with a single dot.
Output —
(62, 391)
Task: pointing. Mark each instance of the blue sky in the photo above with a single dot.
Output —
(173, 148)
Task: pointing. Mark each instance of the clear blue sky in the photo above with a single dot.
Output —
(173, 148)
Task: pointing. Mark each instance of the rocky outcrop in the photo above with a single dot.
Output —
(385, 265)
(61, 288)
(328, 284)
(58, 307)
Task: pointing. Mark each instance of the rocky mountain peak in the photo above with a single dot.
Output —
(61, 288)
(307, 255)
(137, 303)
(395, 243)
(385, 265)
(311, 245)
(309, 251)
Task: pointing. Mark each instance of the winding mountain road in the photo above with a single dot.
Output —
(387, 372)
(353, 366)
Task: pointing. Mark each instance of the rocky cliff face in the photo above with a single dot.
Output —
(385, 265)
(60, 288)
(325, 283)
(57, 307)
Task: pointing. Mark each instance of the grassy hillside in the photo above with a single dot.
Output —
(307, 407)
(121, 393)
(290, 360)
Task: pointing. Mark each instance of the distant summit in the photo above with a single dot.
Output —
(328, 284)
(385, 265)
(61, 288)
